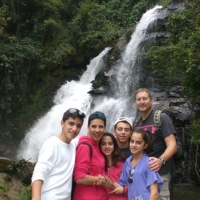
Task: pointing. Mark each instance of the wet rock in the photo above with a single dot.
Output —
(12, 175)
(4, 163)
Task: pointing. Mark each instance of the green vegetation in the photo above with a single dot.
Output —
(25, 192)
(43, 43)
(177, 59)
(3, 187)
(195, 127)
(179, 55)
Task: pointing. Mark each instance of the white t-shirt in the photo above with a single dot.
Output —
(55, 167)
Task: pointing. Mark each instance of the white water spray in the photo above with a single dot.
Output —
(127, 75)
(74, 93)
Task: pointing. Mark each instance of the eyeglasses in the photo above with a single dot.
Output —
(131, 172)
(74, 110)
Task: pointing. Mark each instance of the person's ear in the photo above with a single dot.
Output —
(62, 123)
(145, 146)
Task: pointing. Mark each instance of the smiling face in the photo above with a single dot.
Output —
(70, 129)
(137, 144)
(107, 146)
(143, 102)
(123, 133)
(96, 129)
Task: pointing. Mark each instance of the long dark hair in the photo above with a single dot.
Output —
(117, 154)
(147, 137)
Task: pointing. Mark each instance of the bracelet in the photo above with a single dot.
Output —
(105, 181)
(111, 186)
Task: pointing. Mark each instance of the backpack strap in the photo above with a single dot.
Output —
(136, 121)
(89, 145)
(156, 119)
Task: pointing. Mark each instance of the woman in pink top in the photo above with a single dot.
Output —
(90, 163)
(114, 163)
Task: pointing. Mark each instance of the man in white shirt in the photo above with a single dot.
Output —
(52, 176)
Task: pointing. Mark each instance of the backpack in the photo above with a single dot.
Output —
(158, 124)
(73, 181)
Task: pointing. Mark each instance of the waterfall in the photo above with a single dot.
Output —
(74, 93)
(127, 74)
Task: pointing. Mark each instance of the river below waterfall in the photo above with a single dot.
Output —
(186, 192)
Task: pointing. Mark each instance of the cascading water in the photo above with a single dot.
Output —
(74, 93)
(125, 82)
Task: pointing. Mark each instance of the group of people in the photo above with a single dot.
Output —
(132, 163)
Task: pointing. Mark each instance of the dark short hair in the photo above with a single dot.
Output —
(73, 113)
(143, 90)
(147, 137)
(97, 115)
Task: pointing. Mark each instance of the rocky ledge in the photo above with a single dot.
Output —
(15, 179)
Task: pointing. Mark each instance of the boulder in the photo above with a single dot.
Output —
(4, 164)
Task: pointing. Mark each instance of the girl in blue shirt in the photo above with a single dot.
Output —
(143, 184)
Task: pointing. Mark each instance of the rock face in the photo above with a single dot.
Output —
(12, 176)
(170, 100)
(156, 31)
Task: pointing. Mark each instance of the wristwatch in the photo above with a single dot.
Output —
(162, 160)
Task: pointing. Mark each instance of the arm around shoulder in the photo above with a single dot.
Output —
(36, 189)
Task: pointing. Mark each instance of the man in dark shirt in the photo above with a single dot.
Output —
(164, 139)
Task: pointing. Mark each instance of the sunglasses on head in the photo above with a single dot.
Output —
(74, 111)
(131, 172)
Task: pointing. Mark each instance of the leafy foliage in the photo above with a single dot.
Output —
(179, 53)
(25, 192)
(178, 57)
(3, 187)
(43, 41)
(195, 127)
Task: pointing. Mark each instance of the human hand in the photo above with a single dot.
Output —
(105, 181)
(99, 181)
(108, 182)
(118, 189)
(155, 164)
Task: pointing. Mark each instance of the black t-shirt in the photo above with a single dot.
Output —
(127, 151)
(159, 145)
